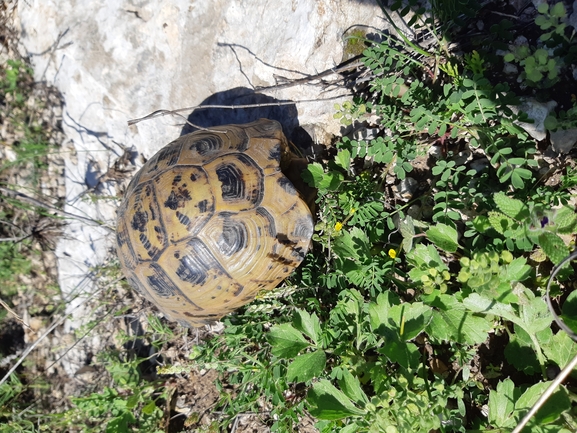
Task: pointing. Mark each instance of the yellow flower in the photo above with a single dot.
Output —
(392, 253)
(353, 210)
(338, 226)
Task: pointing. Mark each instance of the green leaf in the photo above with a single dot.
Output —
(149, 408)
(555, 405)
(443, 236)
(502, 405)
(532, 317)
(327, 402)
(306, 367)
(286, 341)
(407, 229)
(569, 310)
(550, 123)
(543, 8)
(404, 353)
(313, 174)
(517, 270)
(343, 159)
(560, 349)
(379, 312)
(520, 352)
(309, 324)
(558, 10)
(352, 388)
(553, 246)
(411, 319)
(452, 322)
(353, 244)
(426, 255)
(511, 207)
(501, 222)
(564, 219)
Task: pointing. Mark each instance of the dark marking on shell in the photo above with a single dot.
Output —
(177, 199)
(160, 283)
(152, 251)
(139, 221)
(234, 236)
(202, 205)
(176, 179)
(284, 239)
(183, 219)
(169, 155)
(207, 145)
(238, 289)
(271, 224)
(152, 212)
(197, 262)
(232, 181)
(275, 152)
(165, 287)
(287, 185)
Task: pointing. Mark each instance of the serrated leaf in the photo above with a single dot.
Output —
(307, 366)
(560, 350)
(532, 315)
(517, 270)
(313, 174)
(411, 319)
(511, 207)
(286, 341)
(407, 229)
(444, 237)
(352, 244)
(501, 405)
(553, 246)
(452, 322)
(426, 255)
(343, 159)
(501, 222)
(327, 402)
(309, 324)
(404, 353)
(555, 405)
(352, 388)
(379, 312)
(565, 219)
(520, 351)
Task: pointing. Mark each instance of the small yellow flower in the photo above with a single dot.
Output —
(353, 210)
(392, 253)
(338, 226)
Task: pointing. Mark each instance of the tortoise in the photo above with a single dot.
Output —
(211, 220)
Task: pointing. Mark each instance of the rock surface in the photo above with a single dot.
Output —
(114, 61)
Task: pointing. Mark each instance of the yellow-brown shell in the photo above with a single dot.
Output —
(210, 220)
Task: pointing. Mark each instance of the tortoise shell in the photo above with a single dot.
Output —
(211, 220)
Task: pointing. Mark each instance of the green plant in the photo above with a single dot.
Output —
(526, 224)
(131, 405)
(12, 264)
(541, 67)
(553, 18)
